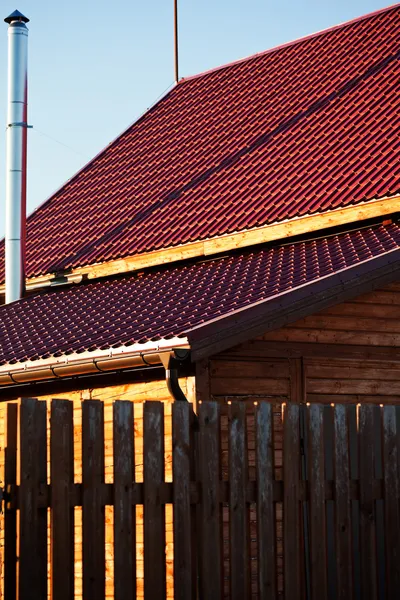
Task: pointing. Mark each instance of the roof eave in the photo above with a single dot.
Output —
(247, 323)
(86, 363)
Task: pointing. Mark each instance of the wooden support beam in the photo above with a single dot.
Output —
(260, 235)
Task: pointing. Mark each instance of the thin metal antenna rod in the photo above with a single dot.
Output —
(176, 45)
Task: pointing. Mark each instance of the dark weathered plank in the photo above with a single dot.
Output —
(183, 567)
(342, 504)
(10, 514)
(266, 530)
(291, 507)
(41, 433)
(124, 513)
(391, 490)
(154, 510)
(367, 504)
(33, 522)
(203, 391)
(209, 459)
(297, 380)
(317, 503)
(62, 513)
(93, 514)
(238, 509)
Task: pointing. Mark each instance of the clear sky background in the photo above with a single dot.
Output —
(96, 66)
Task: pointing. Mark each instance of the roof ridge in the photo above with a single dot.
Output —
(291, 42)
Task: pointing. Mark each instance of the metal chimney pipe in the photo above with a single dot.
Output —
(16, 147)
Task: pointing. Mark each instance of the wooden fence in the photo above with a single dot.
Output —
(337, 482)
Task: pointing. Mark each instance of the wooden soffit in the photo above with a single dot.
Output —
(225, 243)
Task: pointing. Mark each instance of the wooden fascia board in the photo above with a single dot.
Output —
(268, 233)
(244, 324)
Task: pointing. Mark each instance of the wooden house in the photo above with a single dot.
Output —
(239, 241)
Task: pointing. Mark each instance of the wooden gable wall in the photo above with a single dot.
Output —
(347, 353)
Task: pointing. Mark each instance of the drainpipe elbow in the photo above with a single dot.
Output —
(171, 364)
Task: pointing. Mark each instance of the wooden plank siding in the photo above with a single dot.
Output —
(348, 353)
(311, 361)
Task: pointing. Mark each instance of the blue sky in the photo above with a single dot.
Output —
(94, 67)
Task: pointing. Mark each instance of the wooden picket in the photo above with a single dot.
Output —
(10, 515)
(93, 511)
(154, 508)
(33, 516)
(198, 492)
(124, 511)
(62, 513)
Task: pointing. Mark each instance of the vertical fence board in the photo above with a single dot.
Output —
(291, 505)
(41, 433)
(10, 514)
(342, 505)
(266, 527)
(352, 424)
(154, 510)
(391, 490)
(93, 513)
(181, 413)
(62, 513)
(367, 504)
(209, 459)
(317, 503)
(365, 462)
(33, 521)
(124, 512)
(238, 508)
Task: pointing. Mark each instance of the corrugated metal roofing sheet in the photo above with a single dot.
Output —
(168, 302)
(307, 127)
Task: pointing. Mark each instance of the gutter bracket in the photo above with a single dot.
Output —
(171, 362)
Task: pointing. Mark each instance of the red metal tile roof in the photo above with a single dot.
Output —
(304, 128)
(168, 302)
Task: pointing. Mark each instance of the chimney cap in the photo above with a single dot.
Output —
(16, 16)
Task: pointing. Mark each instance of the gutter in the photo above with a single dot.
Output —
(99, 361)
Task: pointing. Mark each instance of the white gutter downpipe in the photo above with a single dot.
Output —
(16, 148)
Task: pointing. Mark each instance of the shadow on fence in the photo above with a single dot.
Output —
(319, 521)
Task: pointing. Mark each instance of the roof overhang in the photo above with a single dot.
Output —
(219, 334)
(246, 323)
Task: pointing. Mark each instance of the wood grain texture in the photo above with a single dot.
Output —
(266, 525)
(297, 380)
(291, 505)
(391, 491)
(124, 512)
(342, 504)
(238, 509)
(317, 503)
(182, 476)
(209, 471)
(154, 510)
(62, 513)
(93, 513)
(367, 505)
(203, 390)
(239, 387)
(10, 516)
(33, 524)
